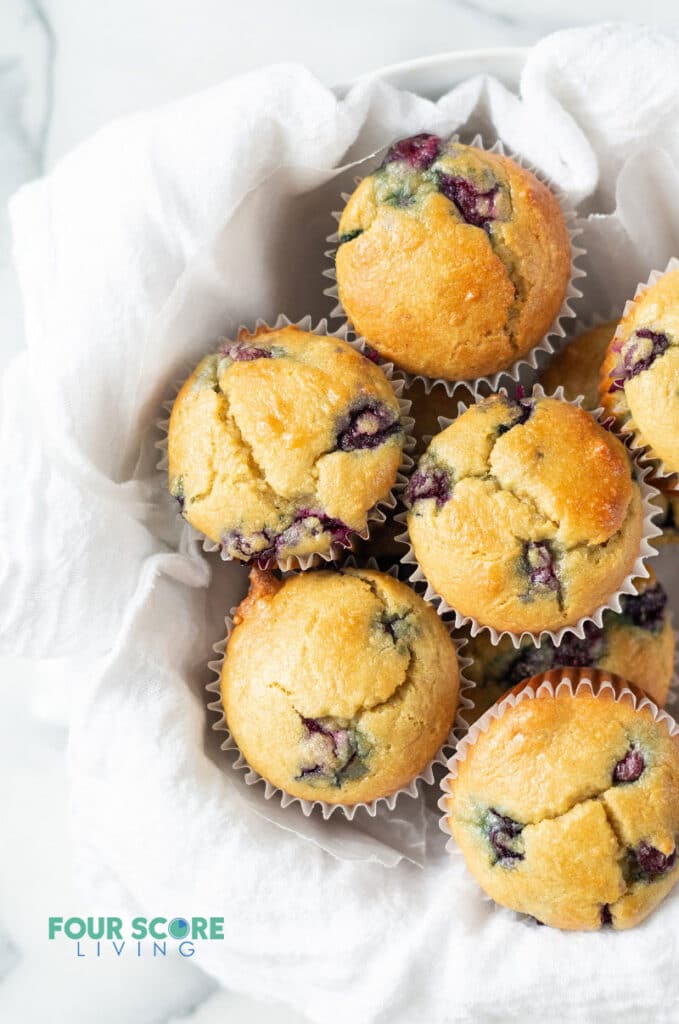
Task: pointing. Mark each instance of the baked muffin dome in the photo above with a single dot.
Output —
(637, 641)
(452, 261)
(338, 686)
(577, 367)
(524, 514)
(567, 808)
(640, 373)
(280, 443)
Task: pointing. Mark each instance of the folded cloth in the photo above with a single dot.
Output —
(144, 246)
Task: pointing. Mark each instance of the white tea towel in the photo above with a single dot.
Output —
(135, 254)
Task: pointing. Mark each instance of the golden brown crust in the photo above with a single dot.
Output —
(543, 521)
(639, 378)
(444, 297)
(582, 792)
(339, 686)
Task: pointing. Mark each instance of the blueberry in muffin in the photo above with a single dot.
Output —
(452, 261)
(338, 686)
(524, 515)
(567, 807)
(280, 444)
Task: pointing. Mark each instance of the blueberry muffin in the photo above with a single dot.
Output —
(338, 686)
(524, 515)
(639, 382)
(567, 808)
(576, 368)
(453, 262)
(280, 443)
(637, 642)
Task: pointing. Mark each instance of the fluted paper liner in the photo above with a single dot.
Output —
(557, 331)
(377, 514)
(575, 681)
(625, 425)
(639, 569)
(252, 778)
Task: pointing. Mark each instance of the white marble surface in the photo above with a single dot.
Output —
(67, 67)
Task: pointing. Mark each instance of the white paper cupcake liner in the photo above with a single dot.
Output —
(377, 514)
(625, 425)
(253, 778)
(573, 681)
(530, 362)
(639, 570)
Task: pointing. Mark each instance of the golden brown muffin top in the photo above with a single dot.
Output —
(452, 261)
(281, 442)
(339, 686)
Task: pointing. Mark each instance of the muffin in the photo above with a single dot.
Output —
(338, 686)
(452, 261)
(383, 545)
(280, 444)
(637, 641)
(576, 368)
(524, 515)
(567, 807)
(639, 382)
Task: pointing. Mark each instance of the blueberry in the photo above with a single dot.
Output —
(574, 652)
(647, 609)
(636, 355)
(606, 916)
(428, 481)
(652, 862)
(502, 834)
(539, 564)
(419, 151)
(368, 425)
(242, 352)
(262, 546)
(629, 768)
(523, 410)
(476, 207)
(397, 626)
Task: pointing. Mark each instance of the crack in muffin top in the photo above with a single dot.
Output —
(451, 260)
(281, 442)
